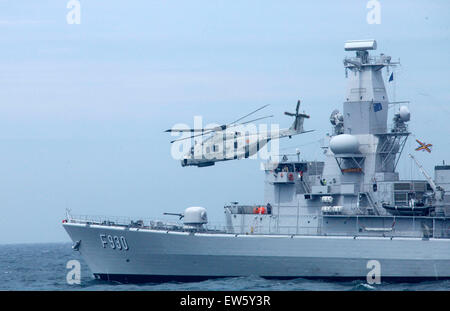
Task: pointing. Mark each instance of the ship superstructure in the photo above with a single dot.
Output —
(318, 218)
(357, 183)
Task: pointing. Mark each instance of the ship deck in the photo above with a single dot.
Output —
(439, 227)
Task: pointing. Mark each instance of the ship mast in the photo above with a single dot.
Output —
(367, 104)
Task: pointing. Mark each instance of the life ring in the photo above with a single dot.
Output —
(259, 210)
(291, 176)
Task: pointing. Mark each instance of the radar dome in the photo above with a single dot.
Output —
(404, 113)
(344, 143)
(195, 215)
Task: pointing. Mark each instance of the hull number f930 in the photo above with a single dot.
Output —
(115, 242)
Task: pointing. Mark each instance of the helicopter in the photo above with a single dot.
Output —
(233, 141)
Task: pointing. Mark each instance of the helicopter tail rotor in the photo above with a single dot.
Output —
(298, 123)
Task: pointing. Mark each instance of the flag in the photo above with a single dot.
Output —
(377, 107)
(391, 78)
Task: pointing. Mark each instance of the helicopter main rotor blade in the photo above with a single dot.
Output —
(220, 128)
(247, 115)
(257, 119)
(186, 130)
(217, 128)
(205, 133)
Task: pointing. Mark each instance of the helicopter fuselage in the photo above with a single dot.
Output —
(224, 147)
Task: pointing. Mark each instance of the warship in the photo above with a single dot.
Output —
(318, 219)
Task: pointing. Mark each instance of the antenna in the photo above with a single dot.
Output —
(360, 45)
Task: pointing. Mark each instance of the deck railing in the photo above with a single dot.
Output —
(421, 226)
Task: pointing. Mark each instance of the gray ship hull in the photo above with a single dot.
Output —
(156, 255)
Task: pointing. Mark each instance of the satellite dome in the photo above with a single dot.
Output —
(344, 143)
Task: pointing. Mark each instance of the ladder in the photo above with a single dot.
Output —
(371, 203)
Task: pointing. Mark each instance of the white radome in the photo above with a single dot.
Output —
(344, 143)
(404, 113)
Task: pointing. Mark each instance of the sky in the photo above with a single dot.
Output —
(83, 107)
